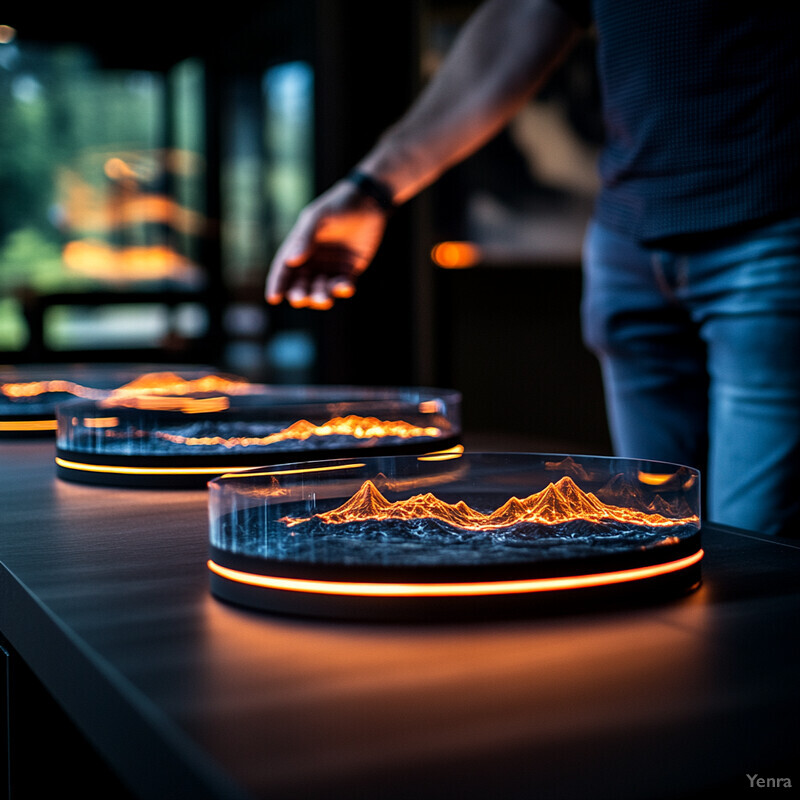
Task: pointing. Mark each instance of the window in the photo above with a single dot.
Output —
(101, 197)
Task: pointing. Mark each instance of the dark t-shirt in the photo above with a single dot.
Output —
(701, 102)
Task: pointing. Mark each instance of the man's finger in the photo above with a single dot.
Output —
(341, 287)
(319, 297)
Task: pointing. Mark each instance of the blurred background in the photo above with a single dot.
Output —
(151, 163)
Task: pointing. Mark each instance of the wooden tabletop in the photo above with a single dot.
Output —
(104, 594)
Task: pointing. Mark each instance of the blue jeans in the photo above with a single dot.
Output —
(700, 355)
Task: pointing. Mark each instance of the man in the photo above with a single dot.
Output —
(692, 261)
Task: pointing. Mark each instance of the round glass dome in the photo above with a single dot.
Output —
(349, 536)
(29, 395)
(170, 440)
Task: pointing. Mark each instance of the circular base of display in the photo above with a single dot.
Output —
(458, 535)
(194, 472)
(28, 427)
(363, 592)
(30, 394)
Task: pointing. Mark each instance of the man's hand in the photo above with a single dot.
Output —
(506, 51)
(333, 241)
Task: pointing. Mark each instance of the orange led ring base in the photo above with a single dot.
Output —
(30, 395)
(26, 427)
(479, 588)
(171, 439)
(353, 597)
(134, 471)
(474, 534)
(194, 471)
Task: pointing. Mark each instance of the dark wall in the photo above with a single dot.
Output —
(508, 338)
(367, 75)
(510, 342)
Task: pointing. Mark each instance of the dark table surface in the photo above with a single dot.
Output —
(104, 594)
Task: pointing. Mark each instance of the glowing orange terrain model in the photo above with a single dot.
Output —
(355, 426)
(161, 383)
(557, 503)
(35, 388)
(168, 383)
(462, 547)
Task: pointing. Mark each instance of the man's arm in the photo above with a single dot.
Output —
(504, 53)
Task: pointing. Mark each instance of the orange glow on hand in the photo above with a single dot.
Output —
(455, 255)
(455, 589)
(320, 303)
(343, 290)
(555, 504)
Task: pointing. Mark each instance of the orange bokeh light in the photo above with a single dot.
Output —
(455, 255)
(123, 264)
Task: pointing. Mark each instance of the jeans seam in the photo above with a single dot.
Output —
(661, 279)
(682, 274)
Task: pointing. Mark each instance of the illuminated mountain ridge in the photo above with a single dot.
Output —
(557, 503)
(151, 383)
(169, 383)
(352, 425)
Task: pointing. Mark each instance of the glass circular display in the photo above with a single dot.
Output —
(451, 532)
(168, 440)
(30, 394)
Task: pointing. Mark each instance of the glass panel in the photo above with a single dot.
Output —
(124, 326)
(289, 99)
(269, 178)
(94, 193)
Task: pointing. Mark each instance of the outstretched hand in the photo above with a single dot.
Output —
(333, 241)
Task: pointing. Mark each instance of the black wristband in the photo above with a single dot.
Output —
(373, 188)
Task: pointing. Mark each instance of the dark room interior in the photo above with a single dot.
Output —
(152, 160)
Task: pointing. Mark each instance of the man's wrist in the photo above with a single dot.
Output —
(374, 188)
